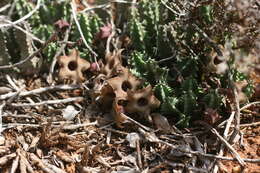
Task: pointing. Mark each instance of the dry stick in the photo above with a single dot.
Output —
(108, 138)
(17, 116)
(64, 127)
(124, 2)
(166, 59)
(112, 33)
(1, 114)
(156, 140)
(6, 158)
(39, 162)
(58, 53)
(22, 166)
(250, 124)
(169, 8)
(236, 132)
(180, 7)
(228, 124)
(59, 124)
(80, 30)
(225, 135)
(133, 3)
(4, 104)
(11, 125)
(249, 105)
(224, 141)
(18, 89)
(26, 32)
(53, 167)
(135, 122)
(22, 155)
(5, 8)
(47, 102)
(245, 107)
(102, 160)
(15, 164)
(11, 99)
(51, 39)
(139, 155)
(40, 90)
(96, 7)
(251, 112)
(22, 87)
(24, 17)
(11, 82)
(77, 126)
(67, 42)
(81, 33)
(11, 10)
(115, 131)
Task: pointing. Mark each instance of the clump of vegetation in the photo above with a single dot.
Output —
(175, 47)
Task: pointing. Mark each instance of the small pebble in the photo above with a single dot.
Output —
(2, 140)
(236, 169)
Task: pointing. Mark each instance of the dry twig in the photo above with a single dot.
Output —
(58, 53)
(73, 8)
(249, 105)
(2, 9)
(250, 124)
(225, 135)
(24, 17)
(234, 152)
(47, 102)
(112, 29)
(152, 138)
(26, 32)
(236, 132)
(40, 90)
